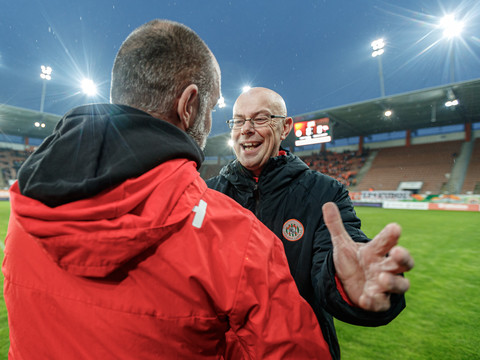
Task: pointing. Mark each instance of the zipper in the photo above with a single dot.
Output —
(256, 196)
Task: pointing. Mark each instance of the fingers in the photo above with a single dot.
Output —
(392, 283)
(333, 220)
(398, 261)
(402, 258)
(386, 239)
(376, 297)
(375, 302)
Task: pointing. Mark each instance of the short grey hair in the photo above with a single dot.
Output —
(157, 62)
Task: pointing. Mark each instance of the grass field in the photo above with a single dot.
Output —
(442, 318)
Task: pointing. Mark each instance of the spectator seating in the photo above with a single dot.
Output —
(10, 161)
(430, 163)
(341, 166)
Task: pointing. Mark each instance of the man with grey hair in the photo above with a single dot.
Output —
(116, 248)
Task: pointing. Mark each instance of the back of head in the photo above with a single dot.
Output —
(156, 63)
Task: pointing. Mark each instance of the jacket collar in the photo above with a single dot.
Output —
(277, 173)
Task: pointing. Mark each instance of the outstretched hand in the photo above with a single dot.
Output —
(367, 274)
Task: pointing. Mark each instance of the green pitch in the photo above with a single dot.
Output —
(442, 318)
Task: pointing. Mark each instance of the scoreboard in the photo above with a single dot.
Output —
(312, 132)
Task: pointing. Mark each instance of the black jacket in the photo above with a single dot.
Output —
(288, 199)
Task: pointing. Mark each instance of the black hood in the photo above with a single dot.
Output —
(95, 147)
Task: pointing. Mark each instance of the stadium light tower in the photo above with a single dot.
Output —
(378, 49)
(46, 75)
(451, 30)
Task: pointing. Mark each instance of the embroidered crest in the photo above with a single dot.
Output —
(292, 230)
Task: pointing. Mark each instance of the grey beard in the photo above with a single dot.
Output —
(198, 131)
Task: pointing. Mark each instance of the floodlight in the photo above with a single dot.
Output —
(221, 102)
(88, 87)
(451, 98)
(46, 72)
(450, 103)
(378, 44)
(246, 88)
(388, 113)
(378, 47)
(230, 143)
(451, 27)
(377, 52)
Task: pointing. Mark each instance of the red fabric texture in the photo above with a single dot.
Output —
(342, 292)
(125, 274)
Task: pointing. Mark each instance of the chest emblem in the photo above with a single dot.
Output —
(293, 230)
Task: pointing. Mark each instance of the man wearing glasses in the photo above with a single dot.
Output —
(336, 267)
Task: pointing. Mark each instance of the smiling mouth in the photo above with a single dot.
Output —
(250, 146)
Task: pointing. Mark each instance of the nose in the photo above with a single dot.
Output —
(248, 129)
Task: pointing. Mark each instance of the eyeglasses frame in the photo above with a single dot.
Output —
(230, 122)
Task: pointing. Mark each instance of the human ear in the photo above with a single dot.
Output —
(187, 106)
(287, 127)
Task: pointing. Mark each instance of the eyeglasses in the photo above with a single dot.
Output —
(258, 121)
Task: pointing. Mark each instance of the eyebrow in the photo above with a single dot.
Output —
(254, 114)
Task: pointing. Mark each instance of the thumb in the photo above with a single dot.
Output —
(333, 220)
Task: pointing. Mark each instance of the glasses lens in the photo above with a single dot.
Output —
(261, 120)
(236, 123)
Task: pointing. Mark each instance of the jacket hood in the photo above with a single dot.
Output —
(110, 182)
(94, 236)
(94, 147)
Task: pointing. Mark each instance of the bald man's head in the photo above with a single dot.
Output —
(255, 144)
(267, 95)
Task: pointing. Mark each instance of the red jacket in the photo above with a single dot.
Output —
(158, 267)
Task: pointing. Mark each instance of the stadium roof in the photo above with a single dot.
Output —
(21, 122)
(413, 110)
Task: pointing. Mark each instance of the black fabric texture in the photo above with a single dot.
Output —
(288, 189)
(95, 147)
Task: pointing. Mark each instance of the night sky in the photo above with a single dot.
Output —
(316, 54)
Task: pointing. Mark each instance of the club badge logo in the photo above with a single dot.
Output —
(292, 230)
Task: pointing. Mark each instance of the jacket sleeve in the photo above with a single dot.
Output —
(323, 272)
(269, 317)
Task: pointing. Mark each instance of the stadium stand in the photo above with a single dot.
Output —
(472, 178)
(10, 161)
(340, 166)
(429, 163)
